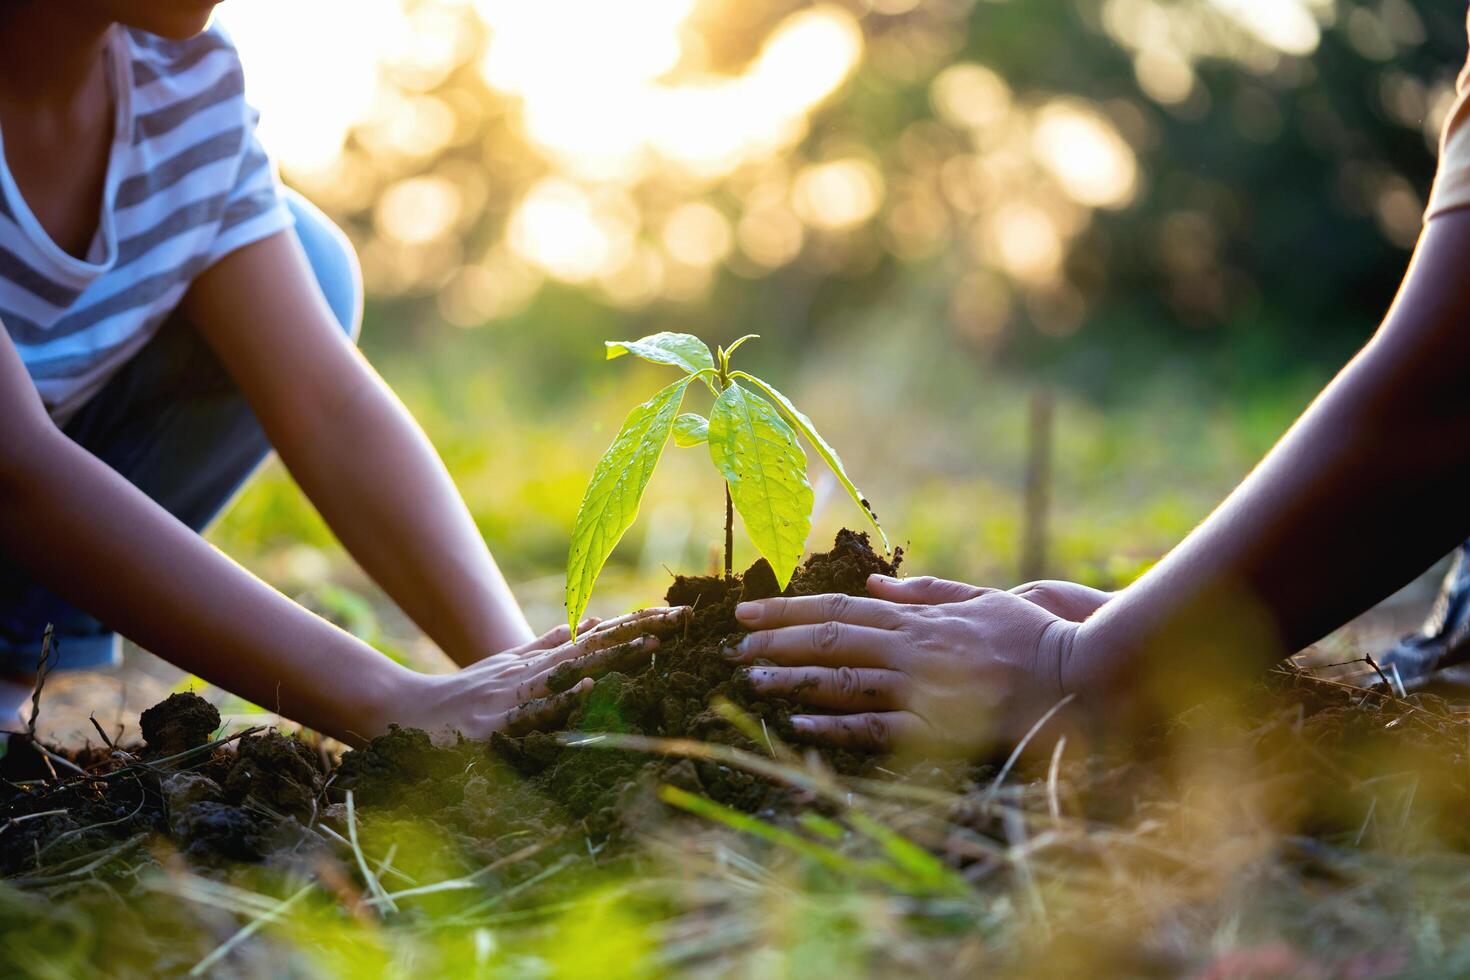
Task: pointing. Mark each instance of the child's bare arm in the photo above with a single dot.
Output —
(96, 539)
(353, 447)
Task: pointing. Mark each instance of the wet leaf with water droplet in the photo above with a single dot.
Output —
(757, 452)
(610, 504)
(824, 449)
(691, 429)
(680, 350)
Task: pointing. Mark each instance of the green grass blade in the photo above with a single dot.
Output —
(755, 827)
(766, 470)
(610, 504)
(824, 449)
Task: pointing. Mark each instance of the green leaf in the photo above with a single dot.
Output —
(690, 430)
(736, 346)
(610, 504)
(759, 456)
(681, 350)
(824, 450)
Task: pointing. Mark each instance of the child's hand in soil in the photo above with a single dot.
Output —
(928, 663)
(521, 690)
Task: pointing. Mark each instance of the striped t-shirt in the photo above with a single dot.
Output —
(187, 183)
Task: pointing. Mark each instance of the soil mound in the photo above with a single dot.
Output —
(676, 695)
(178, 723)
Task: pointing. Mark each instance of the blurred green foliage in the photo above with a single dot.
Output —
(1185, 296)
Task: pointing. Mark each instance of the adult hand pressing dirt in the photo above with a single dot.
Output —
(514, 691)
(928, 662)
(1299, 548)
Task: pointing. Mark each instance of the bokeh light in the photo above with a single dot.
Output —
(477, 149)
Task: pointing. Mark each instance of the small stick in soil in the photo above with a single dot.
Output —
(86, 869)
(17, 821)
(98, 725)
(1377, 670)
(60, 760)
(43, 668)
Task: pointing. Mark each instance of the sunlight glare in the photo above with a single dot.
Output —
(1287, 25)
(1082, 150)
(970, 95)
(697, 234)
(418, 210)
(559, 228)
(313, 82)
(1026, 243)
(838, 195)
(598, 101)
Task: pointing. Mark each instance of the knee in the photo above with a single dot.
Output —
(333, 260)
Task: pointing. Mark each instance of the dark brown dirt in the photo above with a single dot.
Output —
(238, 802)
(538, 779)
(675, 696)
(250, 799)
(268, 794)
(178, 723)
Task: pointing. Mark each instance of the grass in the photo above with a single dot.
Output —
(1241, 847)
(1214, 856)
(935, 436)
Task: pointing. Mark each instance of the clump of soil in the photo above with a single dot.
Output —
(276, 770)
(675, 694)
(216, 801)
(268, 791)
(178, 723)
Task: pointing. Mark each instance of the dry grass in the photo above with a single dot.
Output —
(1315, 832)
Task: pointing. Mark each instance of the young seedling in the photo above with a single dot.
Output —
(751, 433)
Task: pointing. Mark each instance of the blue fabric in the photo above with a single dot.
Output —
(173, 423)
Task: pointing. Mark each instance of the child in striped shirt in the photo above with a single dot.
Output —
(171, 314)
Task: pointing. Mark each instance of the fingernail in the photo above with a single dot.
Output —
(801, 725)
(748, 612)
(886, 579)
(757, 677)
(732, 651)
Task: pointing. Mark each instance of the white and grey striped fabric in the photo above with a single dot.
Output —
(187, 183)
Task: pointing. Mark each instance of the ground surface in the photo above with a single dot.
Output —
(1309, 829)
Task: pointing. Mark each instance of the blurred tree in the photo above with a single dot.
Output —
(1083, 186)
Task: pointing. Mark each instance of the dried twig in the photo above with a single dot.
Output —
(43, 670)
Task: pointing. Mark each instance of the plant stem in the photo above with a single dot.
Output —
(729, 533)
(723, 360)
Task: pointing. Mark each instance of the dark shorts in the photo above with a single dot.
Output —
(173, 423)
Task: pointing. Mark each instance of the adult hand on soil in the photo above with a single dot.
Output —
(533, 686)
(1065, 599)
(928, 663)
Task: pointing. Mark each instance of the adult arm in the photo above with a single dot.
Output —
(1365, 490)
(354, 449)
